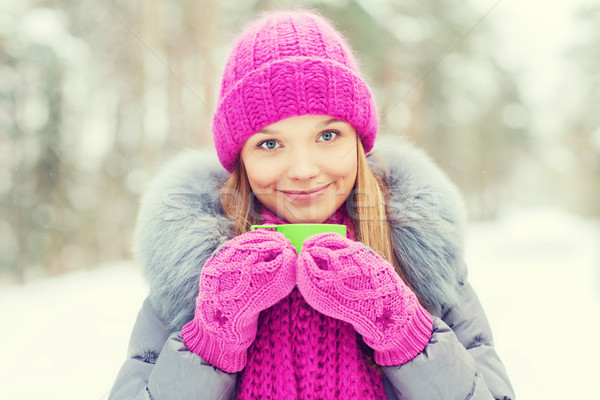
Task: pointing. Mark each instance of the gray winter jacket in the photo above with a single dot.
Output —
(181, 224)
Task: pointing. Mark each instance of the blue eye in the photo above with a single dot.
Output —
(329, 136)
(269, 144)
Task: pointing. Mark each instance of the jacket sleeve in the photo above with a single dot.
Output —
(458, 363)
(160, 367)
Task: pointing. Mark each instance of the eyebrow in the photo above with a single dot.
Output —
(320, 124)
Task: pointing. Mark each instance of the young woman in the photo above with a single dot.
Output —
(385, 312)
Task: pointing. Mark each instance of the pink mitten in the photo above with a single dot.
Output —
(346, 280)
(250, 273)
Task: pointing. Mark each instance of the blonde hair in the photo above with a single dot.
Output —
(371, 223)
(238, 201)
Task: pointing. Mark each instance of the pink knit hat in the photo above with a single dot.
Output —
(289, 63)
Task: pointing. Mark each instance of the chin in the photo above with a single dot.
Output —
(306, 219)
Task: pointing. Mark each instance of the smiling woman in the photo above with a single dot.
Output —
(235, 312)
(302, 168)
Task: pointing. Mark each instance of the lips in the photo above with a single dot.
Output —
(305, 194)
(305, 191)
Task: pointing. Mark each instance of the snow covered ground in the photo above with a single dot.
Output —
(537, 273)
(65, 338)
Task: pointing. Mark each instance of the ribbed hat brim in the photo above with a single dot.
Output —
(289, 87)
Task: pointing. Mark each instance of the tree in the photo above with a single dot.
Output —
(582, 128)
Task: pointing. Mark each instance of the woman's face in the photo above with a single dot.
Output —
(302, 168)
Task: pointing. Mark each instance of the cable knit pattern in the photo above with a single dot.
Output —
(346, 280)
(249, 273)
(300, 353)
(289, 63)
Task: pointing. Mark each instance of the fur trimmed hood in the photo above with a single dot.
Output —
(180, 224)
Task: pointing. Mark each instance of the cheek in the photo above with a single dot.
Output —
(345, 170)
(262, 178)
(261, 181)
(259, 171)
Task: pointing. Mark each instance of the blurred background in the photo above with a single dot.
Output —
(96, 95)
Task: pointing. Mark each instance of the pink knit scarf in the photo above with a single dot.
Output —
(300, 353)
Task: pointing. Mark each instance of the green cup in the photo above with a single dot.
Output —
(298, 233)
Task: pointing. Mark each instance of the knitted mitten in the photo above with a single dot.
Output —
(346, 280)
(250, 273)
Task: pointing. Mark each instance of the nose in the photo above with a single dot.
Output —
(302, 165)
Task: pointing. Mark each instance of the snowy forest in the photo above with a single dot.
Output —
(96, 95)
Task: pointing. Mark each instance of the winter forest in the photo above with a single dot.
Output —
(96, 95)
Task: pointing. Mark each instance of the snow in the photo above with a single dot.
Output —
(65, 338)
(536, 272)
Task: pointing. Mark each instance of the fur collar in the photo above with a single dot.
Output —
(180, 225)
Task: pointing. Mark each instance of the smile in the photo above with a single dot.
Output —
(303, 195)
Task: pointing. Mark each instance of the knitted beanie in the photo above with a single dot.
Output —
(289, 63)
